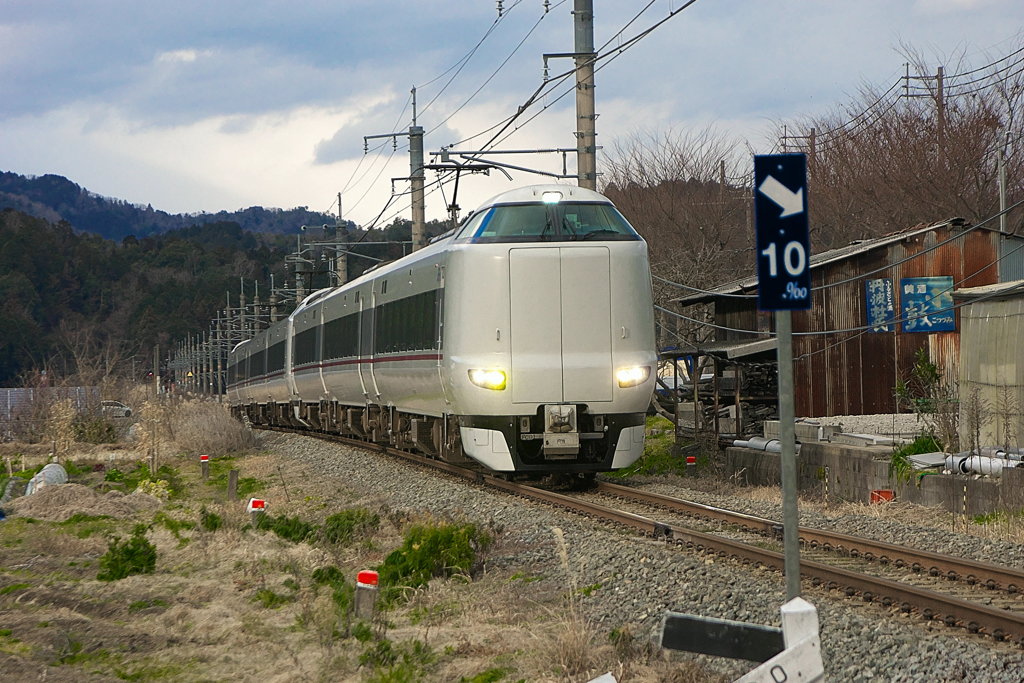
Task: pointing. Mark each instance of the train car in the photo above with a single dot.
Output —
(523, 340)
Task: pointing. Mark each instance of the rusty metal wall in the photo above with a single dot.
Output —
(853, 371)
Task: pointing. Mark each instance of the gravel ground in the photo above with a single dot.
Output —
(640, 578)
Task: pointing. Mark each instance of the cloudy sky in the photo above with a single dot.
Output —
(221, 104)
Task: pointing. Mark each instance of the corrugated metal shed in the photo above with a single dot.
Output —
(841, 367)
(991, 363)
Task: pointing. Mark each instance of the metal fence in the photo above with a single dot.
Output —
(24, 408)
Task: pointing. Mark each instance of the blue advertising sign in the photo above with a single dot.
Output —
(880, 300)
(783, 244)
(927, 304)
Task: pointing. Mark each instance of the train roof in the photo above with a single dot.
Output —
(530, 193)
(534, 193)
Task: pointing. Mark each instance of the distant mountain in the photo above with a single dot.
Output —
(74, 303)
(54, 198)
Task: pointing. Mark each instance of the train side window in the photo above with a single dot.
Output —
(304, 347)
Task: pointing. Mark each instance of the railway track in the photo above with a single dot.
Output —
(982, 598)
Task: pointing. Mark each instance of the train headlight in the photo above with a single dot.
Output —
(630, 377)
(488, 379)
(551, 197)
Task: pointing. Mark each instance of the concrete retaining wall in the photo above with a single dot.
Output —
(851, 473)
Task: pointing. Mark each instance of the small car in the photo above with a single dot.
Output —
(115, 409)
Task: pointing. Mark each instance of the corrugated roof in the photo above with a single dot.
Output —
(723, 349)
(748, 284)
(999, 290)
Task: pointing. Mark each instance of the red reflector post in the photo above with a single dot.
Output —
(691, 460)
(256, 505)
(367, 577)
(204, 458)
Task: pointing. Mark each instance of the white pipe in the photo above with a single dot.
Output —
(978, 464)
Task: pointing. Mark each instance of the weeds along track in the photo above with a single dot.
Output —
(983, 598)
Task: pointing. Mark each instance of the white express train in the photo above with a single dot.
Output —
(523, 340)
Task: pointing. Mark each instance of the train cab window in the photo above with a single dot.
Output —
(557, 222)
(469, 228)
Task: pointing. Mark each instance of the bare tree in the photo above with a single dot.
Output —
(95, 357)
(920, 152)
(679, 191)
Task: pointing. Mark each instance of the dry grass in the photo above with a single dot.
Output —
(199, 615)
(207, 427)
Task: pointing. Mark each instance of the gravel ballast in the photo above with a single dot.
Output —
(638, 579)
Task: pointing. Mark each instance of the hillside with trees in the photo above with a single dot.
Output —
(55, 198)
(76, 303)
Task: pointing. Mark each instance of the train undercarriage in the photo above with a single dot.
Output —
(589, 448)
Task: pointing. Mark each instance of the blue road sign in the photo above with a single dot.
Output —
(783, 244)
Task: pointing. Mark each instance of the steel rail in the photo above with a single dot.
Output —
(992, 576)
(977, 618)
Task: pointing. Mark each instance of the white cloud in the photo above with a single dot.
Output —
(943, 6)
(185, 56)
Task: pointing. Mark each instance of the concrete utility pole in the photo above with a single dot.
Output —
(416, 176)
(1001, 168)
(586, 137)
(340, 254)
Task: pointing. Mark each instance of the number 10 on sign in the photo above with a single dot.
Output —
(783, 246)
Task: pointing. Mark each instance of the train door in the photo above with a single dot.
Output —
(366, 346)
(560, 302)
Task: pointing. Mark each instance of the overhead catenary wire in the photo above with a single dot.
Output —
(461, 64)
(543, 90)
(493, 73)
(868, 327)
(861, 276)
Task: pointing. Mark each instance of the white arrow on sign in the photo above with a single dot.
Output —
(791, 202)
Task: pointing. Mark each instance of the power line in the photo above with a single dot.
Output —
(868, 327)
(496, 71)
(862, 276)
(461, 64)
(553, 83)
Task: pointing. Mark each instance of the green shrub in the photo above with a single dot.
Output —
(270, 599)
(342, 528)
(429, 551)
(289, 528)
(210, 521)
(660, 453)
(175, 526)
(328, 575)
(95, 430)
(124, 558)
(342, 591)
(900, 468)
(83, 525)
(141, 475)
(362, 632)
(219, 473)
(489, 676)
(397, 663)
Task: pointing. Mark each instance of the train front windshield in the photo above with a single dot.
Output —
(542, 222)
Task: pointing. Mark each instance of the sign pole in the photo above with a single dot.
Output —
(784, 285)
(787, 437)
